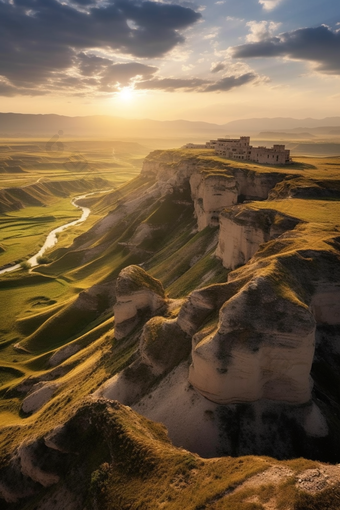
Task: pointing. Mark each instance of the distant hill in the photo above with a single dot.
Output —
(276, 135)
(24, 125)
(280, 123)
(28, 125)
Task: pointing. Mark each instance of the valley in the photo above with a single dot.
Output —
(178, 349)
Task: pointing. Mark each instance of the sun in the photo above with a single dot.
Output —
(126, 94)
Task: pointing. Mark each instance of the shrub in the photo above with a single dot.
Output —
(43, 259)
(25, 265)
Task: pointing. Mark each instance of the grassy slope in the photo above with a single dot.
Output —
(35, 306)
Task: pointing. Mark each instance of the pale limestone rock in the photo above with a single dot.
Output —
(63, 354)
(41, 394)
(139, 296)
(237, 243)
(253, 185)
(242, 231)
(211, 194)
(201, 303)
(263, 347)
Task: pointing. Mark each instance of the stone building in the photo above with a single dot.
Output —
(240, 149)
(277, 155)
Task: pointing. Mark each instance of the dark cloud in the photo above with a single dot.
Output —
(320, 45)
(218, 67)
(122, 74)
(230, 82)
(172, 84)
(92, 64)
(39, 38)
(197, 84)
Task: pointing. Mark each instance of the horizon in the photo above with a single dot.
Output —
(173, 120)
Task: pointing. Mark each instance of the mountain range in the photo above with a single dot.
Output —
(28, 125)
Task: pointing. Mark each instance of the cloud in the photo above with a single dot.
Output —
(123, 73)
(39, 38)
(216, 68)
(319, 45)
(230, 82)
(172, 84)
(260, 30)
(269, 5)
(198, 84)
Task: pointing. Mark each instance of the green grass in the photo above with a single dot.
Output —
(38, 311)
(24, 232)
(311, 211)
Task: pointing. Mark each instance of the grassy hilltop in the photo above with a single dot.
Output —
(57, 328)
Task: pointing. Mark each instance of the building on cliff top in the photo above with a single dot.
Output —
(241, 150)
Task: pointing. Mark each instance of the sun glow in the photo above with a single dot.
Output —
(126, 94)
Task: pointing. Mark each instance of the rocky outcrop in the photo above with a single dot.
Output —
(41, 393)
(211, 193)
(99, 431)
(263, 347)
(163, 344)
(253, 185)
(214, 183)
(243, 230)
(139, 297)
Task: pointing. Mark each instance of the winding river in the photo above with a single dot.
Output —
(52, 237)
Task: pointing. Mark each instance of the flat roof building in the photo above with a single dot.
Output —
(240, 149)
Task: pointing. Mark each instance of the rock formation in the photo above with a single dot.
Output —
(138, 296)
(211, 194)
(262, 347)
(243, 230)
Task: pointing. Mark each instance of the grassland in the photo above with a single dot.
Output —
(67, 303)
(37, 184)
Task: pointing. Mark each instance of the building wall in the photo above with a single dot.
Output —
(275, 156)
(240, 149)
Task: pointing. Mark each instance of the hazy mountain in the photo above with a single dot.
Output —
(275, 135)
(279, 123)
(99, 125)
(16, 124)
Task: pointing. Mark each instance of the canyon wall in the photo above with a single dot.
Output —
(262, 344)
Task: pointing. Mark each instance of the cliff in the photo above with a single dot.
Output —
(253, 338)
(214, 183)
(243, 230)
(205, 297)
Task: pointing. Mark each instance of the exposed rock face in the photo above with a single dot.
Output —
(211, 194)
(40, 394)
(212, 191)
(253, 185)
(263, 347)
(116, 434)
(139, 296)
(242, 231)
(163, 345)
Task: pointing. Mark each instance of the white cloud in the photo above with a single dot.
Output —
(269, 5)
(232, 18)
(260, 30)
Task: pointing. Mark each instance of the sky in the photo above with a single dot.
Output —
(203, 60)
